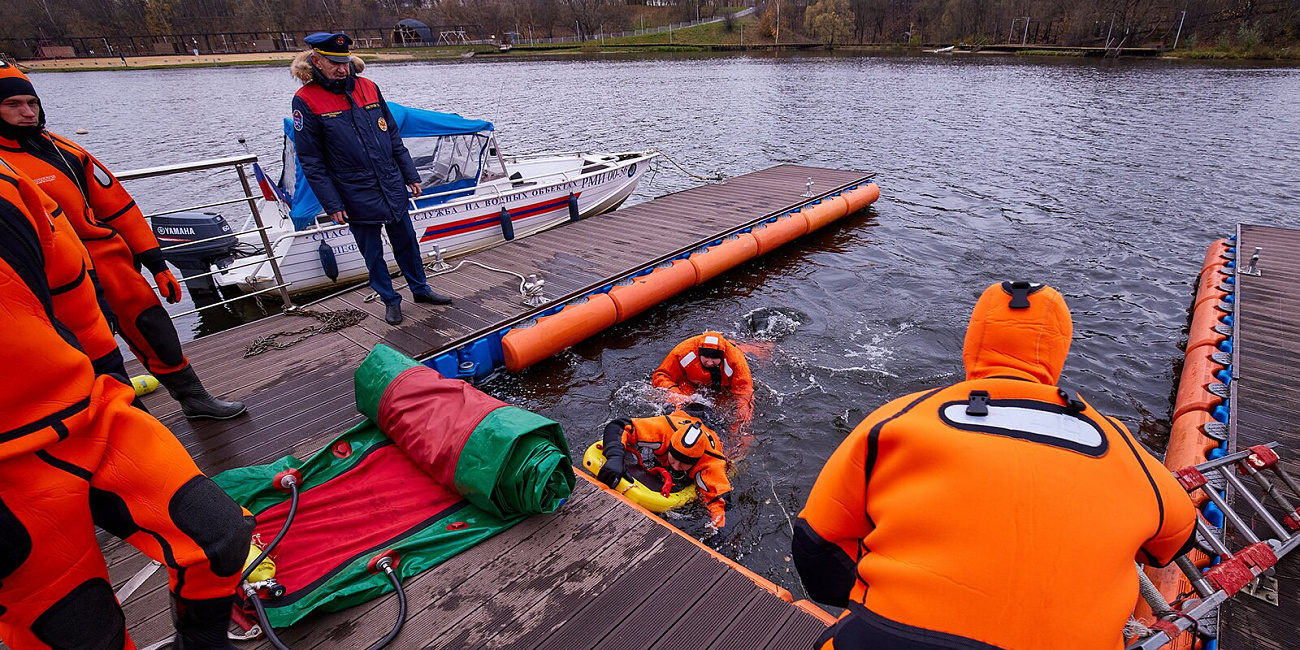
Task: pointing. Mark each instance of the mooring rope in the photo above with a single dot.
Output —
(714, 177)
(523, 281)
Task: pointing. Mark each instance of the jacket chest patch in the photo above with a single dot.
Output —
(383, 124)
(1032, 421)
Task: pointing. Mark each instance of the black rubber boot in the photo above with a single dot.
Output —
(432, 298)
(202, 624)
(393, 314)
(195, 400)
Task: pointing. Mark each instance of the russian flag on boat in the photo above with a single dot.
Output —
(270, 191)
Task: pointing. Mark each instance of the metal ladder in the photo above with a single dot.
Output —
(1248, 566)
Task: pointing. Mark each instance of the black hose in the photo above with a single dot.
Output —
(382, 643)
(401, 612)
(261, 610)
(266, 625)
(288, 520)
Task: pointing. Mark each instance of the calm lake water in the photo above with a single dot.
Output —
(1106, 179)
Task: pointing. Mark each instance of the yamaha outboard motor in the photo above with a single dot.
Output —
(195, 259)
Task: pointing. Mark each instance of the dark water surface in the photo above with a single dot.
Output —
(1105, 179)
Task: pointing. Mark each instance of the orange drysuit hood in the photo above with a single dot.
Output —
(1018, 329)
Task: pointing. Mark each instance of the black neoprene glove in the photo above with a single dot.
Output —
(153, 260)
(612, 440)
(612, 471)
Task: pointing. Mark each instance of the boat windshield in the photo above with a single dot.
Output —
(452, 154)
(288, 166)
(449, 162)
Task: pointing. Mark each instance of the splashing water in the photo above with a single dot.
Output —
(775, 323)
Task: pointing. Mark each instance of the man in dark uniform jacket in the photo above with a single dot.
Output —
(355, 162)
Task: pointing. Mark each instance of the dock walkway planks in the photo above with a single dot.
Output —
(597, 573)
(298, 395)
(1266, 408)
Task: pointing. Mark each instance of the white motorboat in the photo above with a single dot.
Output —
(474, 197)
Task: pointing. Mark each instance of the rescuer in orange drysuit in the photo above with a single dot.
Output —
(74, 454)
(117, 237)
(1000, 512)
(75, 295)
(679, 443)
(708, 361)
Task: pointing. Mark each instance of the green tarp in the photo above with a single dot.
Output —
(454, 468)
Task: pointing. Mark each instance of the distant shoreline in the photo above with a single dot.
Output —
(163, 62)
(177, 61)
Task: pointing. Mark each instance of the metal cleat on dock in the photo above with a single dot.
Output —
(532, 289)
(1252, 268)
(438, 264)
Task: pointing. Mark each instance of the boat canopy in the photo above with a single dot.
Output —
(449, 151)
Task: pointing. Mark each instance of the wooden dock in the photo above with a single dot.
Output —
(1265, 402)
(596, 574)
(1096, 50)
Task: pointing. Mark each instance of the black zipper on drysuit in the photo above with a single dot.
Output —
(20, 247)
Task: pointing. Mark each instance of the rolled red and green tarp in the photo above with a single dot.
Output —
(436, 467)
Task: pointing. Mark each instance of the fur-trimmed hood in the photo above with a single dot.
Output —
(300, 68)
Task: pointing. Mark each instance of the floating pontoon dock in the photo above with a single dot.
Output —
(598, 573)
(1265, 407)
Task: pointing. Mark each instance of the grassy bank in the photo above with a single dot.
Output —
(1048, 53)
(743, 31)
(1258, 53)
